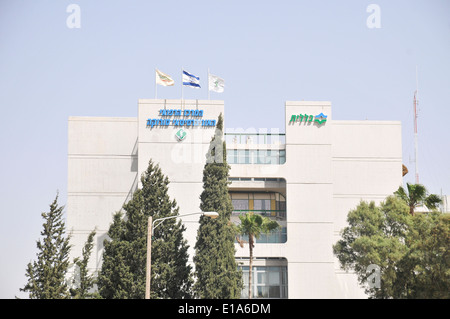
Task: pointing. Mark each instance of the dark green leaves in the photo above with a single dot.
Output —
(411, 251)
(123, 272)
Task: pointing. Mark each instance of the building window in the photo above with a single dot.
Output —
(231, 156)
(261, 204)
(243, 157)
(267, 282)
(240, 204)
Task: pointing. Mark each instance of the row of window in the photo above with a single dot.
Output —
(266, 204)
(273, 157)
(258, 204)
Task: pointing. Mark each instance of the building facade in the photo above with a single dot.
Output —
(307, 177)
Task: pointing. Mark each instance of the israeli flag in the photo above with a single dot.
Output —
(191, 80)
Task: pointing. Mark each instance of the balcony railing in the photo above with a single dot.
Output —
(274, 237)
(276, 213)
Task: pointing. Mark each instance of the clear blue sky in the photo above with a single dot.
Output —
(267, 52)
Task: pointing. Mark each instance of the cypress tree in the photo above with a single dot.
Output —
(85, 281)
(123, 272)
(46, 275)
(217, 275)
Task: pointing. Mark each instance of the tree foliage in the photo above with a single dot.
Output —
(47, 275)
(417, 195)
(430, 253)
(411, 251)
(217, 275)
(84, 281)
(123, 272)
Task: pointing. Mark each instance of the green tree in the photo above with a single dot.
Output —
(216, 270)
(84, 283)
(253, 225)
(409, 258)
(46, 275)
(123, 272)
(417, 195)
(430, 254)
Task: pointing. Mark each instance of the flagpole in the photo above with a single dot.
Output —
(208, 86)
(182, 86)
(156, 87)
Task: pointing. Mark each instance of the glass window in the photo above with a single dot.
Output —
(261, 157)
(282, 156)
(268, 159)
(267, 282)
(240, 204)
(284, 276)
(274, 292)
(274, 276)
(262, 292)
(280, 205)
(275, 237)
(262, 278)
(231, 156)
(243, 157)
(261, 204)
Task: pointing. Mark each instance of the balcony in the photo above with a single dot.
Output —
(278, 236)
(267, 204)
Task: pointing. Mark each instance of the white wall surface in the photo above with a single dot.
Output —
(102, 170)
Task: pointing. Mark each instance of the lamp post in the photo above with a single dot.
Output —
(151, 227)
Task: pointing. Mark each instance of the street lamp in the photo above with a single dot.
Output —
(151, 227)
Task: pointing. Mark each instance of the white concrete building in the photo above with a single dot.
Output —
(307, 177)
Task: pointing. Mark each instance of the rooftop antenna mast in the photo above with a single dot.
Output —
(416, 103)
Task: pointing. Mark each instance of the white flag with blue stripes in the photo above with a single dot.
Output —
(191, 80)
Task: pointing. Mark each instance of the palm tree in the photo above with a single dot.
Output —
(417, 194)
(253, 225)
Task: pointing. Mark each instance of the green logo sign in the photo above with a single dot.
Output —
(319, 118)
(181, 134)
